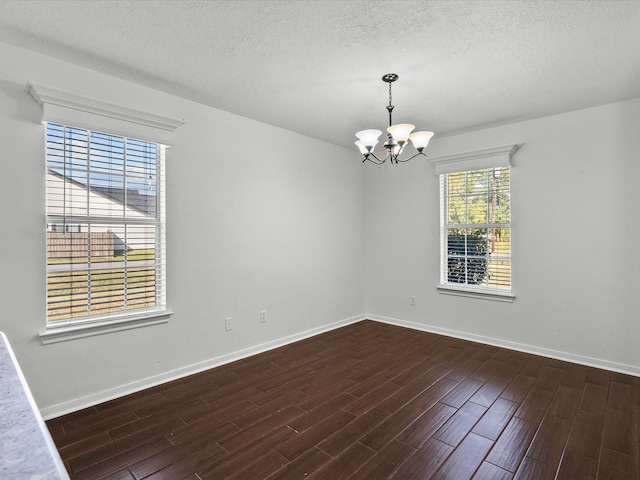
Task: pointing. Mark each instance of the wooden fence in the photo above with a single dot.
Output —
(76, 245)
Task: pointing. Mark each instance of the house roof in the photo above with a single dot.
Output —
(134, 199)
(143, 203)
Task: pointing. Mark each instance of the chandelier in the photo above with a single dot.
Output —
(397, 137)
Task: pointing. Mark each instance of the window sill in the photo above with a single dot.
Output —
(61, 333)
(484, 294)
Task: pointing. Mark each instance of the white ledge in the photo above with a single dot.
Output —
(482, 293)
(56, 334)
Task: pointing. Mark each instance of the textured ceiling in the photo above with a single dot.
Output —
(315, 66)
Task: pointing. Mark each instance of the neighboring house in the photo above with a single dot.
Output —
(106, 202)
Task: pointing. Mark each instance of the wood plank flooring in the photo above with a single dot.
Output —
(367, 401)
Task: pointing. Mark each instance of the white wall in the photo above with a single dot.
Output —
(279, 229)
(282, 230)
(576, 224)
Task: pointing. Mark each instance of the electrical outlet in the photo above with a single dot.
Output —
(263, 316)
(228, 323)
(412, 300)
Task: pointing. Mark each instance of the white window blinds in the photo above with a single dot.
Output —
(476, 228)
(105, 225)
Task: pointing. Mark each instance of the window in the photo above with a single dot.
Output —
(105, 209)
(475, 223)
(105, 199)
(476, 228)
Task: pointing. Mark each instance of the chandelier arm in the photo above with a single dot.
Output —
(377, 160)
(410, 158)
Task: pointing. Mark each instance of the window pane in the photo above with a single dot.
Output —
(477, 270)
(67, 246)
(107, 294)
(107, 153)
(477, 182)
(141, 241)
(106, 195)
(141, 197)
(467, 256)
(501, 178)
(500, 241)
(499, 272)
(103, 241)
(67, 295)
(499, 199)
(141, 159)
(477, 209)
(499, 207)
(457, 184)
(456, 241)
(477, 256)
(141, 287)
(456, 256)
(457, 210)
(477, 242)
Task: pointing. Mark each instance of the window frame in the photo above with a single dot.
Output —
(78, 111)
(482, 159)
(103, 176)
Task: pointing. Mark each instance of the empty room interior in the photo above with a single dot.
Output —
(204, 276)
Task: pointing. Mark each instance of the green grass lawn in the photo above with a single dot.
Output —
(148, 254)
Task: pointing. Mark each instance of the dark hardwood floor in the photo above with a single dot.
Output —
(367, 401)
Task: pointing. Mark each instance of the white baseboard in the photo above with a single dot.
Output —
(543, 352)
(106, 395)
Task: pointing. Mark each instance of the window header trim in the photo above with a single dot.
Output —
(499, 156)
(68, 108)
